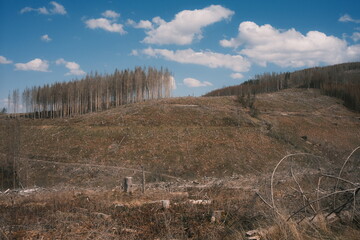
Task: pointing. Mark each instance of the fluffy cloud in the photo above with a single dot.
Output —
(34, 65)
(41, 10)
(3, 60)
(290, 48)
(192, 82)
(74, 68)
(134, 52)
(106, 25)
(348, 18)
(205, 58)
(236, 75)
(45, 38)
(356, 36)
(110, 14)
(185, 27)
(56, 8)
(145, 24)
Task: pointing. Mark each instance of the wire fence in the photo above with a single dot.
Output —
(18, 172)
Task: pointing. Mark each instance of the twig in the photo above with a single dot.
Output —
(354, 204)
(295, 189)
(339, 178)
(340, 208)
(341, 170)
(121, 141)
(298, 222)
(3, 233)
(274, 171)
(326, 196)
(302, 192)
(264, 200)
(318, 191)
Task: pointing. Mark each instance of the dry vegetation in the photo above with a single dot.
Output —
(340, 81)
(191, 148)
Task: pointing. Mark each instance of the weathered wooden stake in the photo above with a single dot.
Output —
(165, 204)
(128, 185)
(216, 216)
(143, 179)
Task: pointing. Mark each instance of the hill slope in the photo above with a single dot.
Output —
(341, 81)
(187, 138)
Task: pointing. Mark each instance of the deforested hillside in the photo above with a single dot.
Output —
(202, 168)
(183, 137)
(341, 81)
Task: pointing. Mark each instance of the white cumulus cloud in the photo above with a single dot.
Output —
(348, 18)
(290, 48)
(236, 76)
(110, 14)
(41, 10)
(34, 65)
(74, 68)
(3, 60)
(45, 38)
(105, 24)
(205, 58)
(134, 52)
(186, 26)
(56, 8)
(145, 24)
(355, 36)
(192, 82)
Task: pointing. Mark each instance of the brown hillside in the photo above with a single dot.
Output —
(187, 138)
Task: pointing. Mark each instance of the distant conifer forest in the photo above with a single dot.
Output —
(341, 81)
(95, 92)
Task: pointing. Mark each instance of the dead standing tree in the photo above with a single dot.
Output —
(94, 93)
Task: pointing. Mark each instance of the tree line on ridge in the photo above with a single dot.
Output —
(341, 81)
(93, 93)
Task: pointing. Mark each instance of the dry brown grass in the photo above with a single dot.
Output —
(185, 137)
(214, 142)
(112, 214)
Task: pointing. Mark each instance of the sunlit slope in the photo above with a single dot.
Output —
(192, 137)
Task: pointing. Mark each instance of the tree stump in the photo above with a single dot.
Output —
(128, 186)
(165, 204)
(217, 216)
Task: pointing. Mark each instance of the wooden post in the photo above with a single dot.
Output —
(128, 185)
(216, 215)
(165, 204)
(143, 179)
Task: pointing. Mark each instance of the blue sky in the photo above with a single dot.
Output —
(205, 44)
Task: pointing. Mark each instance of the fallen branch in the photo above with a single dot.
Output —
(340, 179)
(323, 197)
(341, 170)
(302, 192)
(274, 171)
(264, 200)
